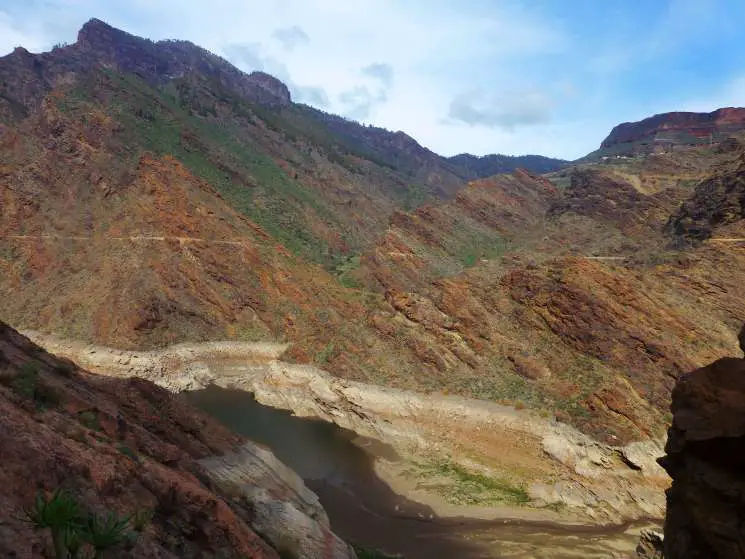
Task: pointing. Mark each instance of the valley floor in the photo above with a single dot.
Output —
(488, 478)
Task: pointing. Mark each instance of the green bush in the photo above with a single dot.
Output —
(78, 534)
(89, 418)
(141, 518)
(464, 487)
(28, 385)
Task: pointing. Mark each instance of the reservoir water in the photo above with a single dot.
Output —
(363, 509)
(316, 450)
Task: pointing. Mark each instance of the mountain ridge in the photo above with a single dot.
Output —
(161, 61)
(664, 131)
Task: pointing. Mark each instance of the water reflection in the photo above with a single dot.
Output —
(363, 509)
(316, 450)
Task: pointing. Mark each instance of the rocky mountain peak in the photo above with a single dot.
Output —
(21, 51)
(271, 85)
(157, 63)
(95, 28)
(99, 36)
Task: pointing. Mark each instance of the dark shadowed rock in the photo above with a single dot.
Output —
(717, 201)
(706, 459)
(729, 145)
(650, 545)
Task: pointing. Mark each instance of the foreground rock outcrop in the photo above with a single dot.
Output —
(706, 459)
(124, 446)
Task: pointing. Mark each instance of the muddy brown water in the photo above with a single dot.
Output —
(364, 510)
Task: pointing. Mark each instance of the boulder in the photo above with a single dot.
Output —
(706, 459)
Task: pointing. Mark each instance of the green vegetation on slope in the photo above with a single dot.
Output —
(221, 153)
(78, 534)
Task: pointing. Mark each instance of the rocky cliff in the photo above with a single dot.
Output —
(128, 448)
(717, 205)
(677, 128)
(706, 459)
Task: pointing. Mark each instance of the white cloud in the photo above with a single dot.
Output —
(379, 71)
(507, 110)
(291, 37)
(12, 35)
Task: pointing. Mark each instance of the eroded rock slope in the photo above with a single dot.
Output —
(125, 445)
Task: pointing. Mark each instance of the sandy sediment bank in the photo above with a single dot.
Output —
(569, 477)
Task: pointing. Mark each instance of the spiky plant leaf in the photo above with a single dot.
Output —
(141, 518)
(106, 532)
(57, 512)
(72, 539)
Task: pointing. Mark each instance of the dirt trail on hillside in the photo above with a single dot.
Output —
(233, 242)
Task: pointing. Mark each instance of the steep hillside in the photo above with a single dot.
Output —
(150, 193)
(717, 206)
(139, 252)
(321, 185)
(127, 448)
(483, 222)
(557, 298)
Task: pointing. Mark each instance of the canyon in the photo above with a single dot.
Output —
(170, 223)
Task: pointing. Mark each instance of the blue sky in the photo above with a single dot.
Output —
(483, 76)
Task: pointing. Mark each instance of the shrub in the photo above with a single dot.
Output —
(27, 385)
(326, 353)
(105, 532)
(65, 368)
(124, 449)
(141, 519)
(89, 418)
(77, 534)
(364, 553)
(60, 514)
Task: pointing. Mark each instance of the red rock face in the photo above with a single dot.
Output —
(674, 125)
(117, 445)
